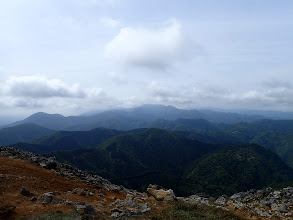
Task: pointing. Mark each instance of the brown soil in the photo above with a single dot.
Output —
(16, 173)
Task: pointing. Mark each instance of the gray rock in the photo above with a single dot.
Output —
(127, 212)
(47, 198)
(130, 203)
(89, 210)
(136, 212)
(79, 207)
(283, 208)
(222, 200)
(144, 208)
(160, 194)
(68, 202)
(115, 215)
(49, 163)
(116, 210)
(102, 192)
(237, 196)
(56, 200)
(24, 191)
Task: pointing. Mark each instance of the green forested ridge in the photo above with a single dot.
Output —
(281, 143)
(235, 169)
(200, 125)
(22, 132)
(133, 159)
(69, 140)
(187, 166)
(245, 132)
(274, 134)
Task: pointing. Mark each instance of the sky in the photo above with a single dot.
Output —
(75, 56)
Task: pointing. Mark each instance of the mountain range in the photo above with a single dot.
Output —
(189, 151)
(40, 140)
(132, 118)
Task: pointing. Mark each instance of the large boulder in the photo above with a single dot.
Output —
(160, 194)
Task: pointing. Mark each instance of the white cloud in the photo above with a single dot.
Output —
(169, 95)
(109, 22)
(276, 83)
(40, 93)
(40, 87)
(155, 49)
(116, 78)
(277, 97)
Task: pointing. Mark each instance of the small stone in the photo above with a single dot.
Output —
(79, 207)
(116, 210)
(33, 199)
(127, 212)
(144, 208)
(56, 200)
(102, 192)
(115, 215)
(221, 201)
(68, 202)
(47, 198)
(130, 203)
(24, 191)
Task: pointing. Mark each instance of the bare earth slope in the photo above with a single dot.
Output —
(16, 174)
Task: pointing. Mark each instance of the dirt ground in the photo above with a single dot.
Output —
(16, 174)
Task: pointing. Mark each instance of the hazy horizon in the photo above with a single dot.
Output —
(269, 114)
(75, 56)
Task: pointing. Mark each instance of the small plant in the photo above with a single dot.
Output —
(73, 215)
(275, 216)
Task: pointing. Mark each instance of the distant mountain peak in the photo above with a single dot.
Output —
(44, 114)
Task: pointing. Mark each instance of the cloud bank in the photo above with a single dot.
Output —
(270, 95)
(40, 92)
(151, 48)
(40, 87)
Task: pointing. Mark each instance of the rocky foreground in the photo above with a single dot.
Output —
(27, 190)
